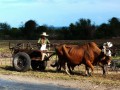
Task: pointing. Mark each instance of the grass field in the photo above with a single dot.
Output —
(113, 78)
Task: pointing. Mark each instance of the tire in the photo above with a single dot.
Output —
(42, 65)
(34, 64)
(21, 62)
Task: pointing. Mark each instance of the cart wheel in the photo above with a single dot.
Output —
(34, 64)
(21, 61)
(42, 65)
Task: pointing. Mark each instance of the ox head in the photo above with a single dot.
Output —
(106, 52)
(106, 59)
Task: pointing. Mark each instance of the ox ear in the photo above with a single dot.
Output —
(109, 44)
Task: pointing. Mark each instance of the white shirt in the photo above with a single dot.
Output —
(43, 47)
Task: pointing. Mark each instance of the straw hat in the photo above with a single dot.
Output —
(44, 34)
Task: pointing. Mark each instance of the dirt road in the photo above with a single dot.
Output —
(16, 85)
(79, 85)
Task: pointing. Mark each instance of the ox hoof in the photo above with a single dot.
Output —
(88, 75)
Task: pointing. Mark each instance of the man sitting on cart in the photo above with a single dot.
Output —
(43, 42)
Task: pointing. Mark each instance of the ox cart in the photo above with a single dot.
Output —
(26, 55)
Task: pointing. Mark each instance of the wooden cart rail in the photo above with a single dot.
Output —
(27, 45)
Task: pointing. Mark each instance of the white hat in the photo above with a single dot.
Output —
(44, 34)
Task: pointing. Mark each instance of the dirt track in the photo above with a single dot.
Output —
(84, 85)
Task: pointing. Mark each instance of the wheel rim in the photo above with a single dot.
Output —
(20, 61)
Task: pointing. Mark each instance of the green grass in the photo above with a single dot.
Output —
(117, 57)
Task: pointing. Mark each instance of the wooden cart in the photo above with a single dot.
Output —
(26, 55)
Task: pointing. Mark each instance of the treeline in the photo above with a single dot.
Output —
(82, 29)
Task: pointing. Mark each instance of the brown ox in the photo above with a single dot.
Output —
(89, 54)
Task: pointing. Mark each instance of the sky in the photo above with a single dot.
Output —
(57, 12)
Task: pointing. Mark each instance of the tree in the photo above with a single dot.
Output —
(83, 29)
(4, 30)
(115, 26)
(39, 30)
(101, 31)
(5, 27)
(29, 29)
(72, 29)
(15, 33)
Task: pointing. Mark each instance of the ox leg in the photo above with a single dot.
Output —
(60, 64)
(65, 68)
(91, 66)
(104, 68)
(71, 68)
(58, 67)
(87, 73)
